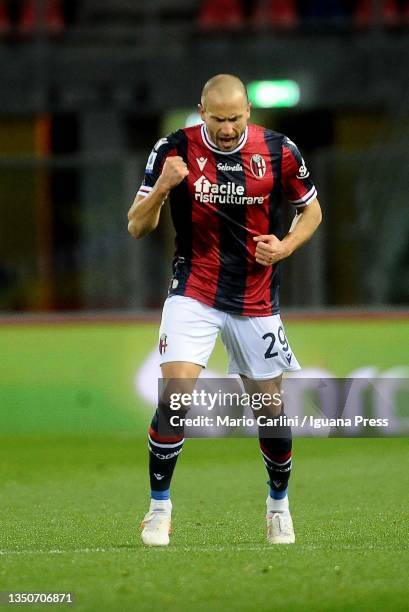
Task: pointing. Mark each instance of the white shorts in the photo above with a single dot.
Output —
(257, 347)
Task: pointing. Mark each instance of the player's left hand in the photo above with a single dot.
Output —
(269, 249)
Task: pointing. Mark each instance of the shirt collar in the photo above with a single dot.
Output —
(210, 144)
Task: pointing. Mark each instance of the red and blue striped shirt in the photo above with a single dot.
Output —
(226, 200)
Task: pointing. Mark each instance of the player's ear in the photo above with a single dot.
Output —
(249, 105)
(201, 110)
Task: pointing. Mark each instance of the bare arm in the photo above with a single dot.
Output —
(143, 216)
(270, 249)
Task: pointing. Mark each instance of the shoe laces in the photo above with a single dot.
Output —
(157, 515)
(283, 520)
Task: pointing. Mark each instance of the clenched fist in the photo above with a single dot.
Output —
(270, 249)
(173, 172)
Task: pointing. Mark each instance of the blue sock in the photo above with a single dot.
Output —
(160, 494)
(278, 494)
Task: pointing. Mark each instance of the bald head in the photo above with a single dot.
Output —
(225, 109)
(223, 88)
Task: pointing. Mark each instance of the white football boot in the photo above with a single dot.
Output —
(280, 528)
(156, 525)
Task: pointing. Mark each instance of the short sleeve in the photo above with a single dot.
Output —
(154, 164)
(295, 177)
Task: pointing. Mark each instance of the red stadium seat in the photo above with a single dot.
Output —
(276, 13)
(51, 21)
(4, 18)
(221, 14)
(365, 15)
(390, 13)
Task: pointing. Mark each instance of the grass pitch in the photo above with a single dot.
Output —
(70, 508)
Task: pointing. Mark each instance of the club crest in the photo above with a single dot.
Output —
(258, 165)
(163, 344)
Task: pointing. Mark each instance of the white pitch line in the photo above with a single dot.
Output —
(88, 551)
(77, 551)
(177, 548)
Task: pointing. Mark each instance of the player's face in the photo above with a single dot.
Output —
(225, 121)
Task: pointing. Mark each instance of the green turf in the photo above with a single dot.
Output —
(69, 508)
(70, 378)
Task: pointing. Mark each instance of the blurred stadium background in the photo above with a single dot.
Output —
(86, 88)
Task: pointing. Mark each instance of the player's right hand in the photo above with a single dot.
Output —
(173, 172)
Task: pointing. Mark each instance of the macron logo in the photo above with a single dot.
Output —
(201, 162)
